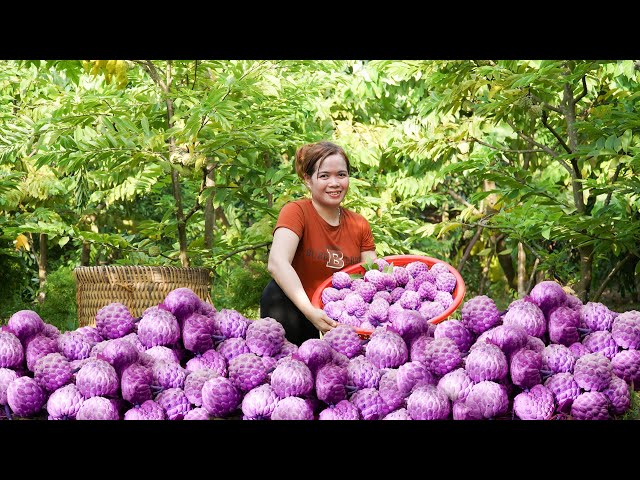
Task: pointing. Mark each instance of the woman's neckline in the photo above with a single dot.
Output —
(339, 218)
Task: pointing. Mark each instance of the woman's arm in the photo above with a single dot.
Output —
(283, 248)
(368, 255)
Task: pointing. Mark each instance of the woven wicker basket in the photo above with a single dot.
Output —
(138, 287)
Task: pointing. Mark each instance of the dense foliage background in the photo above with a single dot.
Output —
(512, 171)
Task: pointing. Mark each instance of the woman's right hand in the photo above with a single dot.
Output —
(321, 320)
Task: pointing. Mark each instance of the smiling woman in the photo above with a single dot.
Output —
(313, 238)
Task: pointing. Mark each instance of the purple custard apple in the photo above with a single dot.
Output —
(400, 275)
(315, 353)
(25, 324)
(292, 408)
(114, 321)
(11, 351)
(340, 280)
(480, 314)
(369, 403)
(396, 293)
(135, 383)
(119, 353)
(409, 324)
(619, 395)
(355, 305)
(563, 325)
(343, 410)
(486, 362)
(37, 347)
(133, 339)
(265, 336)
(536, 404)
(418, 348)
(378, 310)
(330, 294)
(287, 350)
(334, 309)
(220, 397)
(345, 340)
(412, 375)
(383, 294)
(232, 347)
(366, 290)
(210, 359)
(389, 391)
(400, 414)
(428, 291)
(442, 356)
(160, 352)
(508, 338)
(174, 402)
(416, 267)
(592, 372)
(148, 410)
(456, 384)
(207, 309)
(97, 408)
(565, 390)
(557, 358)
(232, 323)
(625, 330)
(91, 334)
(445, 281)
(626, 365)
(601, 341)
(182, 302)
(423, 277)
(386, 349)
(6, 377)
(590, 406)
(578, 349)
(331, 383)
(547, 295)
(197, 333)
(292, 378)
(444, 298)
(158, 328)
(97, 378)
(409, 300)
(426, 402)
(362, 373)
(167, 375)
(527, 315)
(247, 371)
(52, 372)
(456, 331)
(438, 268)
(50, 331)
(597, 316)
(194, 382)
(381, 263)
(525, 366)
(430, 310)
(487, 399)
(197, 414)
(25, 397)
(259, 403)
(64, 403)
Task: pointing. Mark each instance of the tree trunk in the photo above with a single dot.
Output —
(85, 255)
(586, 267)
(506, 263)
(42, 267)
(522, 271)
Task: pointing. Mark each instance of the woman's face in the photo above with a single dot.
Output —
(330, 182)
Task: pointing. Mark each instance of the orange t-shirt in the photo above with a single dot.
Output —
(323, 248)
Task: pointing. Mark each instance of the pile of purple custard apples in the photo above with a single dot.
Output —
(547, 356)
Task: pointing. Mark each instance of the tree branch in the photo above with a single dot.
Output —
(546, 105)
(467, 251)
(555, 134)
(464, 202)
(613, 180)
(610, 275)
(533, 274)
(584, 90)
(514, 150)
(244, 249)
(151, 69)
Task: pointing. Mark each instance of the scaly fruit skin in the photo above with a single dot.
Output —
(508, 338)
(330, 294)
(626, 365)
(618, 394)
(259, 403)
(97, 408)
(220, 397)
(362, 373)
(97, 378)
(149, 410)
(198, 413)
(343, 410)
(590, 406)
(135, 383)
(369, 403)
(37, 347)
(602, 342)
(345, 340)
(486, 362)
(25, 397)
(292, 408)
(52, 372)
(480, 314)
(430, 310)
(330, 384)
(487, 399)
(428, 403)
(232, 347)
(292, 378)
(412, 375)
(525, 368)
(564, 388)
(445, 282)
(265, 336)
(197, 333)
(247, 371)
(194, 382)
(315, 353)
(168, 375)
(563, 326)
(536, 404)
(114, 321)
(547, 295)
(340, 280)
(64, 403)
(174, 402)
(442, 356)
(11, 351)
(182, 302)
(386, 349)
(119, 353)
(593, 372)
(6, 377)
(626, 330)
(158, 328)
(456, 384)
(25, 324)
(578, 349)
(526, 315)
(597, 316)
(400, 414)
(557, 358)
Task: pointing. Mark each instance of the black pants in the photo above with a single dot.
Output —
(274, 303)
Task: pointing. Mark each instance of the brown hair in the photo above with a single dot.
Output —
(311, 154)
